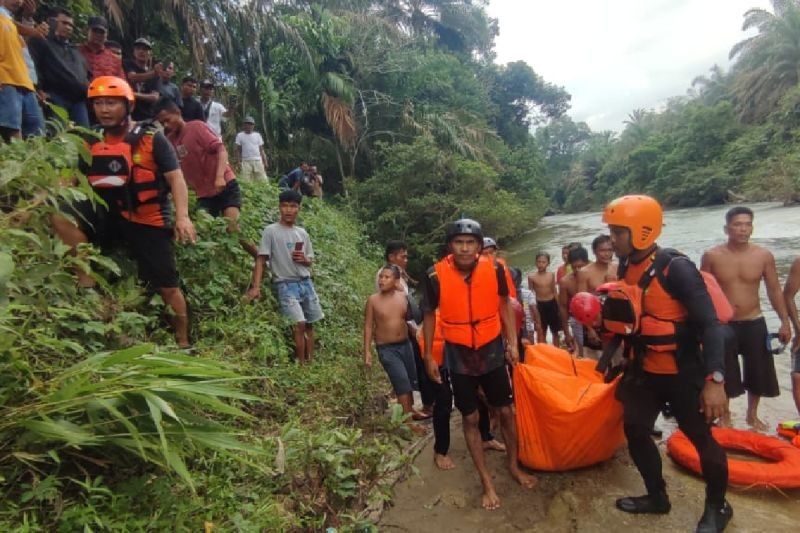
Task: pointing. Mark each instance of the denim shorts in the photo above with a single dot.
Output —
(20, 111)
(299, 301)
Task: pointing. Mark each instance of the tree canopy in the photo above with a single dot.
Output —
(732, 136)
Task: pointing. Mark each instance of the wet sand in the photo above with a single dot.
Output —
(583, 500)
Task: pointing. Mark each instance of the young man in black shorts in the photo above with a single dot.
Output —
(139, 210)
(475, 315)
(204, 162)
(739, 267)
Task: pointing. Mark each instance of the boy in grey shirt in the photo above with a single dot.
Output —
(288, 250)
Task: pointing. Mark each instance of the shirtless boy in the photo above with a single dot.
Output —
(385, 316)
(543, 284)
(789, 292)
(567, 288)
(739, 267)
(592, 276)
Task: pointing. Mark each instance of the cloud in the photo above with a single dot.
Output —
(614, 56)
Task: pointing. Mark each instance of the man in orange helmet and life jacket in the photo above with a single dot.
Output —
(134, 169)
(475, 314)
(668, 363)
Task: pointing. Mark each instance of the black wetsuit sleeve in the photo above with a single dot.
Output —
(687, 286)
(430, 292)
(502, 285)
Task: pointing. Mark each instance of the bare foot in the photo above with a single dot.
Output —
(526, 480)
(489, 500)
(443, 462)
(756, 423)
(725, 421)
(420, 415)
(494, 445)
(418, 430)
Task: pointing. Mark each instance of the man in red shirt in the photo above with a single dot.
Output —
(101, 60)
(204, 162)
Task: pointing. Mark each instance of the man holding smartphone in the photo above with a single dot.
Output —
(288, 250)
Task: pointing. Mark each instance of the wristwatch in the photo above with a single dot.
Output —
(717, 377)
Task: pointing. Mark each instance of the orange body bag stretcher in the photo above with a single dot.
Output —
(567, 417)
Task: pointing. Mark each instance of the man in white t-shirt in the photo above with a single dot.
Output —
(214, 112)
(253, 160)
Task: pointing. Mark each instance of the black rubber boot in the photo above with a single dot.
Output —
(651, 504)
(715, 518)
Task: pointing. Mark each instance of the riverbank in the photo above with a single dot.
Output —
(579, 501)
(692, 231)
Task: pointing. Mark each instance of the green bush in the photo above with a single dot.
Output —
(422, 188)
(106, 426)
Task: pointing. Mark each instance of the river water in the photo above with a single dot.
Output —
(692, 231)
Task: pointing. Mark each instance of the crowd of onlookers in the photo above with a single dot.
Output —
(157, 142)
(43, 69)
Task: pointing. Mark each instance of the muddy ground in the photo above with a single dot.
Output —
(438, 501)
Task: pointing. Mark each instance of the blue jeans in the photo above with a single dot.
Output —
(299, 301)
(20, 111)
(76, 110)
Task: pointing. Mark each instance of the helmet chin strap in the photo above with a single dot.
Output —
(638, 255)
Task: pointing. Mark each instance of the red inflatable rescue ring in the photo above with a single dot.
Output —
(782, 469)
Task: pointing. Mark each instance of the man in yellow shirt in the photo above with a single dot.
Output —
(20, 113)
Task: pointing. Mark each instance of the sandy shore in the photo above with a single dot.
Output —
(437, 501)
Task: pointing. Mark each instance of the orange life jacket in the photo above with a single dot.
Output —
(512, 289)
(438, 342)
(647, 312)
(468, 311)
(118, 177)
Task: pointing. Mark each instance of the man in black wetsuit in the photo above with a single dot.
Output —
(687, 376)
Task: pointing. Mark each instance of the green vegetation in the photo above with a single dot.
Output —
(106, 426)
(348, 84)
(733, 136)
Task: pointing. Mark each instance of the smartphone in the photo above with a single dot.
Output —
(298, 246)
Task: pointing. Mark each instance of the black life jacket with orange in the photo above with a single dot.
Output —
(653, 325)
(468, 308)
(117, 176)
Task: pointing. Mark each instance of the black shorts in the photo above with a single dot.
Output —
(749, 340)
(152, 248)
(548, 313)
(496, 386)
(231, 196)
(796, 362)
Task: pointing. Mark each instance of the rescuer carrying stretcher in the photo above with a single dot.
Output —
(673, 340)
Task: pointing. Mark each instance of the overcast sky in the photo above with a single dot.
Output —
(614, 56)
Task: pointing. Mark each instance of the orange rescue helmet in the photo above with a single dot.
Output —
(111, 86)
(641, 214)
(585, 307)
